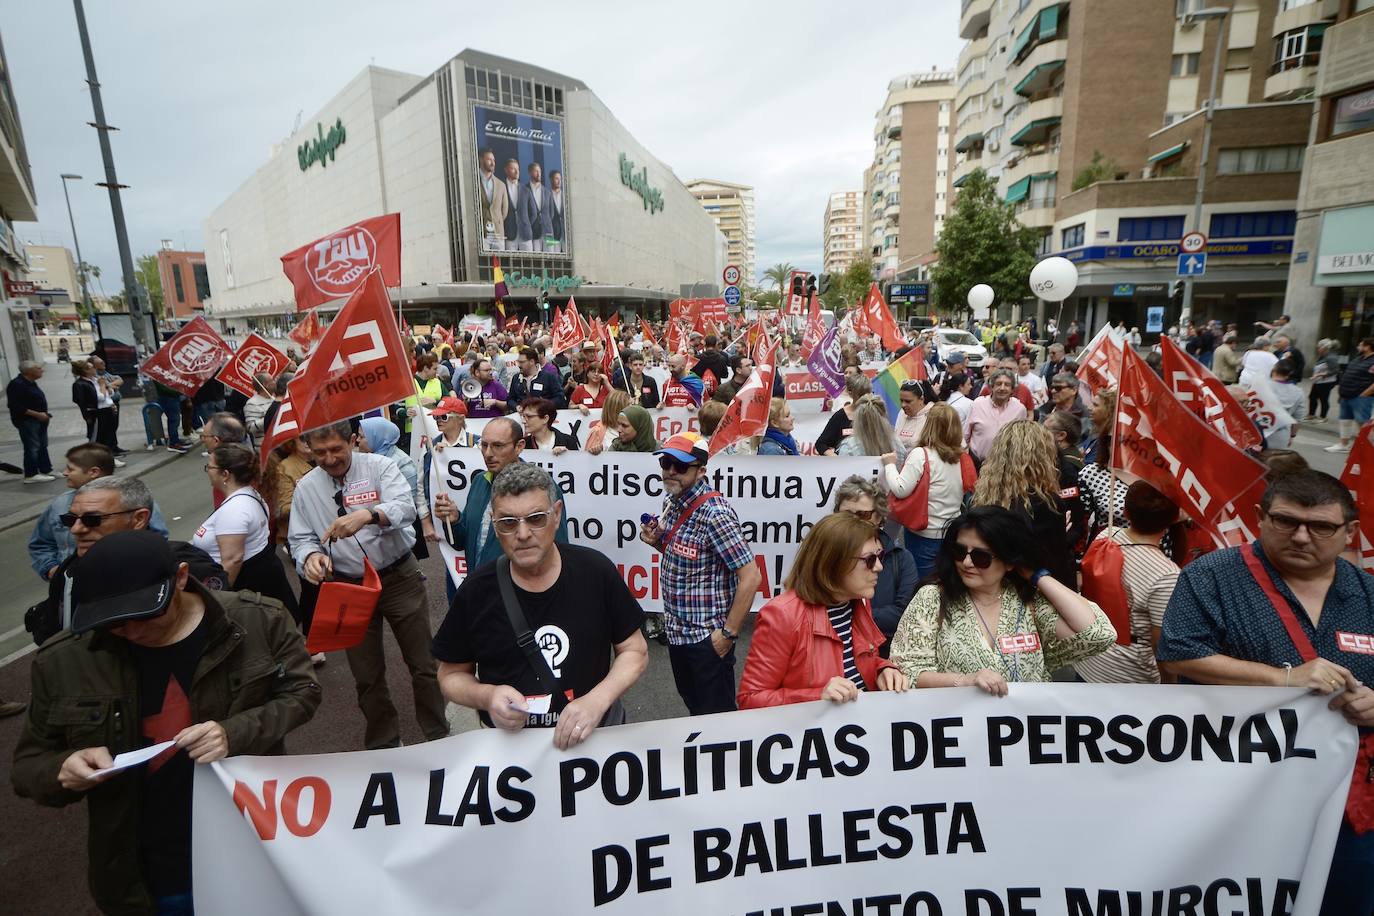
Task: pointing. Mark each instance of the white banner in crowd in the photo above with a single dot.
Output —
(1059, 799)
(777, 501)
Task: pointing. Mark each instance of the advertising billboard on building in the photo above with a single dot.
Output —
(521, 186)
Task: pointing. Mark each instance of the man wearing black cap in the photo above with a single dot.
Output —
(153, 656)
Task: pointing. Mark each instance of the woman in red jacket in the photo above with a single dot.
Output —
(817, 640)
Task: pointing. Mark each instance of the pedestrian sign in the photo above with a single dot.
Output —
(732, 296)
(1192, 265)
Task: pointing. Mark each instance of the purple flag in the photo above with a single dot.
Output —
(824, 362)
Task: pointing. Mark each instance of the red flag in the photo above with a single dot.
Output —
(610, 348)
(568, 329)
(187, 360)
(307, 331)
(614, 324)
(1206, 396)
(815, 329)
(1359, 477)
(676, 339)
(253, 356)
(879, 317)
(444, 333)
(648, 333)
(857, 323)
(747, 414)
(338, 264)
(709, 383)
(1161, 441)
(283, 428)
(1100, 364)
(360, 363)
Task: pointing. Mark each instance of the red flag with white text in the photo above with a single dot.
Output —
(879, 318)
(1359, 477)
(189, 359)
(1100, 365)
(255, 355)
(1206, 396)
(283, 428)
(747, 413)
(360, 364)
(337, 265)
(568, 329)
(1160, 440)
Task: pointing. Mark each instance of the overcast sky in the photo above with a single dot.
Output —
(777, 95)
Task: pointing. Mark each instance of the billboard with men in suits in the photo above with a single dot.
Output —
(521, 188)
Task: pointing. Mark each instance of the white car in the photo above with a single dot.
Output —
(953, 340)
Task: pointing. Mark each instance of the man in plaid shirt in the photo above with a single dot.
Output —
(708, 576)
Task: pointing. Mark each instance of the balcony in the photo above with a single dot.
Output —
(974, 16)
(1292, 78)
(1044, 161)
(1299, 16)
(1038, 120)
(891, 211)
(975, 49)
(1036, 73)
(1035, 212)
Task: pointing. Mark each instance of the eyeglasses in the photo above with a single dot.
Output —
(1059, 388)
(672, 464)
(1287, 524)
(90, 519)
(211, 467)
(509, 524)
(981, 558)
(867, 515)
(870, 560)
(488, 445)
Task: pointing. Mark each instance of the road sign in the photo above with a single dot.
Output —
(1154, 319)
(731, 275)
(1192, 243)
(1192, 265)
(732, 295)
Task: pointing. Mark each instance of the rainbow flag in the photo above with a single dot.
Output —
(888, 383)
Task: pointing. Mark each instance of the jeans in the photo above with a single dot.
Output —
(1357, 409)
(171, 411)
(34, 435)
(923, 551)
(1349, 890)
(705, 681)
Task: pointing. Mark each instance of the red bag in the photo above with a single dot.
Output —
(343, 612)
(968, 473)
(1102, 566)
(913, 510)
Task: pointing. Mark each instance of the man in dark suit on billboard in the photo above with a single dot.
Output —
(515, 193)
(535, 211)
(556, 210)
(493, 199)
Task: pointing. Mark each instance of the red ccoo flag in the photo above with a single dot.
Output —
(338, 264)
(1206, 396)
(1100, 365)
(360, 363)
(307, 331)
(879, 318)
(1359, 477)
(747, 414)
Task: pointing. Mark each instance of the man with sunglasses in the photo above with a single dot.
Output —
(571, 599)
(357, 505)
(708, 577)
(1288, 611)
(1063, 396)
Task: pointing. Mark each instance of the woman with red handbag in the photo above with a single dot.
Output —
(928, 490)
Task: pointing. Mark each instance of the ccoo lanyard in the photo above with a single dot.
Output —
(1281, 604)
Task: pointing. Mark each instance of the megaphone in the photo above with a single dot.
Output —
(471, 388)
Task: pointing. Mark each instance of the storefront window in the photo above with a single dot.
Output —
(1354, 112)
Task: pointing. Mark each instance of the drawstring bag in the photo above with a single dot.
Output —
(1102, 567)
(343, 612)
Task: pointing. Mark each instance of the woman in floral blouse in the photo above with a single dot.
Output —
(994, 615)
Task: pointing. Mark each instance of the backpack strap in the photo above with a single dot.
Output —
(524, 636)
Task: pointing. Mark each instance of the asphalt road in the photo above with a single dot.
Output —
(42, 850)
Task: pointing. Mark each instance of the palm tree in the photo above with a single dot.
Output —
(779, 274)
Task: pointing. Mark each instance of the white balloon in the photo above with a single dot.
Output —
(1054, 279)
(980, 296)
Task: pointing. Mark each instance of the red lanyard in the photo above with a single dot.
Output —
(686, 514)
(1281, 605)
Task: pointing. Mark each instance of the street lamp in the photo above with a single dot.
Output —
(80, 265)
(1220, 13)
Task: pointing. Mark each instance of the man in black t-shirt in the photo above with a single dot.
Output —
(584, 620)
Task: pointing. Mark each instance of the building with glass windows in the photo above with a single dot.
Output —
(484, 158)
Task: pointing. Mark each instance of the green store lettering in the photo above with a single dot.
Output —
(321, 149)
(516, 279)
(639, 183)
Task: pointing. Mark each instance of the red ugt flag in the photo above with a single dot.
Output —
(1206, 396)
(185, 362)
(879, 318)
(1163, 442)
(338, 264)
(568, 330)
(359, 364)
(253, 356)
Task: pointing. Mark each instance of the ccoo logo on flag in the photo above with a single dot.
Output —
(337, 263)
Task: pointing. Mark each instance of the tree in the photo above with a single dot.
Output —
(767, 299)
(982, 242)
(1099, 168)
(151, 280)
(779, 273)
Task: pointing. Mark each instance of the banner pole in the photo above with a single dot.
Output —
(423, 416)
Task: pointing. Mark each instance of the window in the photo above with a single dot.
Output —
(1171, 116)
(1353, 112)
(202, 281)
(1150, 229)
(894, 198)
(1071, 237)
(1185, 64)
(1260, 159)
(1253, 225)
(176, 279)
(1298, 48)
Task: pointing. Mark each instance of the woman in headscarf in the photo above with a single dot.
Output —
(635, 430)
(379, 436)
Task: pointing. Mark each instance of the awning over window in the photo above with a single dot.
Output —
(1168, 153)
(1035, 131)
(1049, 22)
(1019, 191)
(959, 182)
(1039, 78)
(967, 141)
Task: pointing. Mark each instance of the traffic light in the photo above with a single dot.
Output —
(797, 285)
(823, 285)
(544, 299)
(1176, 290)
(810, 285)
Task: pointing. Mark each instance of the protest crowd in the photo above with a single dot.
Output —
(1069, 506)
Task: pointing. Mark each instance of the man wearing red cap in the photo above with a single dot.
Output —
(708, 575)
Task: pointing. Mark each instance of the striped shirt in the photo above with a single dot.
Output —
(842, 619)
(1149, 577)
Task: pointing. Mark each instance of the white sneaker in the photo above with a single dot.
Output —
(120, 464)
(40, 478)
(1337, 448)
(151, 446)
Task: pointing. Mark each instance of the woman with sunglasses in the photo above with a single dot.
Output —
(237, 535)
(862, 498)
(818, 640)
(917, 396)
(993, 615)
(635, 431)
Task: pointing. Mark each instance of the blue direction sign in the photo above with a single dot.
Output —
(1192, 265)
(732, 296)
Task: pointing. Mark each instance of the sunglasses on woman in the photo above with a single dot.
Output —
(870, 560)
(981, 558)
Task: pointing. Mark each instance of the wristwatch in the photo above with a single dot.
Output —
(373, 517)
(1037, 576)
(728, 633)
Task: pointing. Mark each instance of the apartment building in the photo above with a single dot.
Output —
(732, 207)
(908, 185)
(1331, 280)
(185, 281)
(18, 203)
(1092, 116)
(841, 242)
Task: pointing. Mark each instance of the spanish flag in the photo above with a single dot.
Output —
(499, 279)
